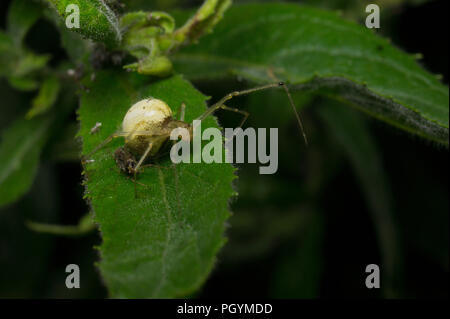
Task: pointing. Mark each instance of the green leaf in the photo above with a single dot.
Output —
(97, 21)
(22, 14)
(20, 147)
(319, 51)
(150, 36)
(144, 34)
(163, 243)
(48, 93)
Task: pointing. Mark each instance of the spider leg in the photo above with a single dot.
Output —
(291, 101)
(229, 96)
(143, 157)
(105, 142)
(233, 109)
(141, 160)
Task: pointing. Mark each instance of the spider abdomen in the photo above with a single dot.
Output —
(146, 121)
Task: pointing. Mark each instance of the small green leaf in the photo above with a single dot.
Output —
(144, 38)
(319, 51)
(150, 36)
(29, 62)
(20, 147)
(48, 93)
(22, 14)
(84, 226)
(17, 63)
(23, 84)
(97, 21)
(163, 243)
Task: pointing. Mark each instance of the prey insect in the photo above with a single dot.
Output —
(147, 126)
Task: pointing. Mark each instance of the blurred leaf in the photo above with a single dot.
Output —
(23, 84)
(84, 227)
(97, 21)
(17, 63)
(20, 247)
(298, 271)
(317, 50)
(163, 243)
(8, 54)
(22, 14)
(48, 93)
(20, 147)
(30, 62)
(351, 132)
(204, 20)
(255, 235)
(21, 144)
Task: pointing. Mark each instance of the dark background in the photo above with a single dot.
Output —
(260, 260)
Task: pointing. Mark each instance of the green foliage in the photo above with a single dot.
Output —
(97, 21)
(204, 20)
(163, 243)
(84, 226)
(150, 36)
(22, 14)
(319, 51)
(20, 148)
(46, 97)
(19, 64)
(146, 39)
